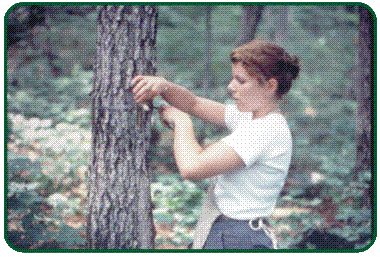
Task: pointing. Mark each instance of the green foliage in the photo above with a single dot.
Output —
(49, 132)
(176, 194)
(181, 46)
(40, 182)
(177, 203)
(21, 19)
(26, 201)
(59, 99)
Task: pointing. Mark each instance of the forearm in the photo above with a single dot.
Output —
(186, 147)
(179, 97)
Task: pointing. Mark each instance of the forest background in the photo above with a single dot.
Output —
(49, 70)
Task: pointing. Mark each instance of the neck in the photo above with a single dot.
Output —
(264, 111)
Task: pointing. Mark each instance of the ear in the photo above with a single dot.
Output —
(272, 85)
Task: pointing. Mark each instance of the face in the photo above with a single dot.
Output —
(249, 94)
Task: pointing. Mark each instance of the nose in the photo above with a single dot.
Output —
(231, 88)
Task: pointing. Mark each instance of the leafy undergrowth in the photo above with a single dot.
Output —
(46, 197)
(46, 193)
(321, 206)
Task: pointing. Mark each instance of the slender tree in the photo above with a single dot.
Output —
(250, 20)
(365, 97)
(120, 210)
(19, 26)
(207, 71)
(281, 25)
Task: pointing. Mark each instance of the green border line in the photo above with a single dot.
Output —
(374, 115)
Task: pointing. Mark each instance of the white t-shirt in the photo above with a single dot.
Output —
(265, 146)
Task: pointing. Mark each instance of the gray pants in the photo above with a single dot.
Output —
(234, 234)
(228, 234)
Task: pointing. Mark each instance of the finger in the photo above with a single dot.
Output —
(136, 79)
(164, 122)
(149, 94)
(139, 83)
(145, 93)
(140, 88)
(155, 88)
(161, 108)
(142, 98)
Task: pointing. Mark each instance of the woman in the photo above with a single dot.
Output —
(250, 165)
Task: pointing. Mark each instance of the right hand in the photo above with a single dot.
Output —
(147, 87)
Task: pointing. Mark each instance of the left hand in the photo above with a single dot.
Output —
(172, 115)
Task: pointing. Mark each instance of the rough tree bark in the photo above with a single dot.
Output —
(365, 97)
(250, 21)
(120, 210)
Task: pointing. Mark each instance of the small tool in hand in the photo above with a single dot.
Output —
(169, 125)
(146, 108)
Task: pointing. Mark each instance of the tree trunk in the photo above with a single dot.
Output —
(280, 18)
(250, 21)
(120, 210)
(365, 97)
(207, 74)
(281, 26)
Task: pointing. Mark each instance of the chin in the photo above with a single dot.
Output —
(242, 108)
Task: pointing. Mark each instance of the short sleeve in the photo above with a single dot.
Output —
(232, 116)
(250, 141)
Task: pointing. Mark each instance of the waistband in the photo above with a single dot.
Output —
(254, 222)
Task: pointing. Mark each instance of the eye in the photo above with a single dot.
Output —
(240, 80)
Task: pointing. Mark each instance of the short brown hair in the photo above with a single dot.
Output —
(269, 60)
